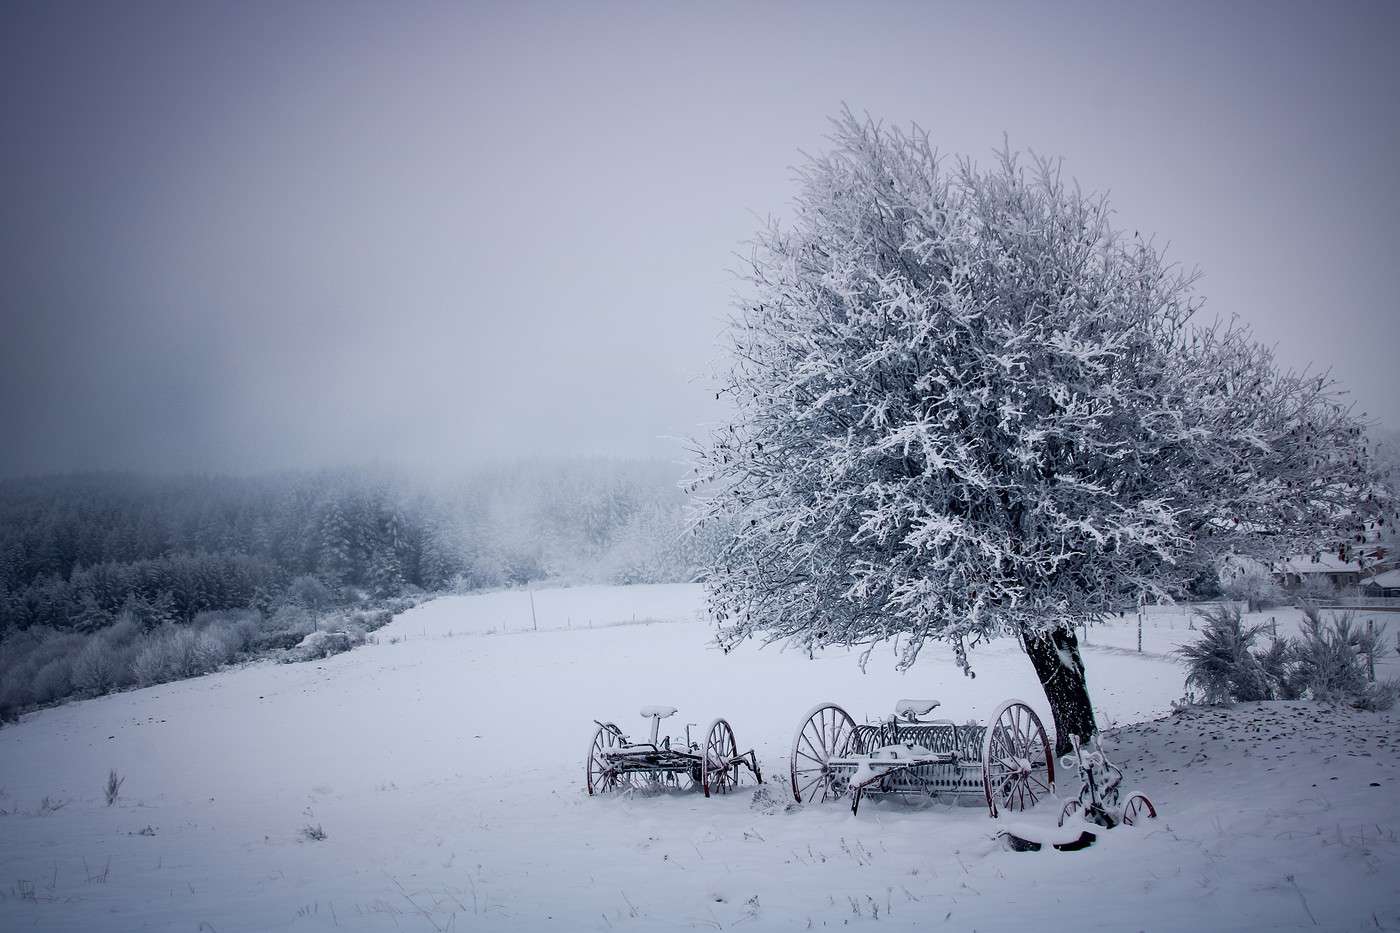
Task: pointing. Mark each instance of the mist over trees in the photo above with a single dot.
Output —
(78, 551)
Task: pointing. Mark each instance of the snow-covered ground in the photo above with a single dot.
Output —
(445, 766)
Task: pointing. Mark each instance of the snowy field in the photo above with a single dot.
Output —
(446, 770)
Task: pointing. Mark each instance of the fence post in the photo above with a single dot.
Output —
(1371, 650)
(1139, 625)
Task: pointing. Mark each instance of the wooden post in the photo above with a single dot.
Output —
(1139, 626)
(534, 621)
(1371, 653)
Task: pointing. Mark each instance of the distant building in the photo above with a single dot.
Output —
(1382, 584)
(1323, 569)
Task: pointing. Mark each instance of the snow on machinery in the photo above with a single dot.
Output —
(1098, 796)
(715, 765)
(1007, 763)
(1097, 804)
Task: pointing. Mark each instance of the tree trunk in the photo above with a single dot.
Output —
(1055, 656)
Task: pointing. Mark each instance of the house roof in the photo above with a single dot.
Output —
(1388, 580)
(1323, 563)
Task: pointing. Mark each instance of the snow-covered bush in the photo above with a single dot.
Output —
(96, 670)
(236, 628)
(320, 645)
(1221, 664)
(1254, 588)
(1277, 662)
(1316, 589)
(174, 653)
(285, 628)
(1326, 662)
(398, 604)
(1379, 696)
(361, 622)
(372, 619)
(36, 666)
(54, 681)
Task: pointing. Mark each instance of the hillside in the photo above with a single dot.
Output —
(445, 766)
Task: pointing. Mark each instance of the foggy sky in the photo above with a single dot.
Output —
(268, 235)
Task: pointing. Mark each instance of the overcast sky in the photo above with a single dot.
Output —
(264, 235)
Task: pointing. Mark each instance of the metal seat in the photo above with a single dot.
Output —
(913, 709)
(658, 712)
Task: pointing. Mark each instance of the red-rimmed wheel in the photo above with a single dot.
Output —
(1138, 809)
(720, 770)
(602, 769)
(827, 732)
(1017, 767)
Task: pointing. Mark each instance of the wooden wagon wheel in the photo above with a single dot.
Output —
(1138, 809)
(827, 732)
(719, 772)
(1017, 767)
(602, 774)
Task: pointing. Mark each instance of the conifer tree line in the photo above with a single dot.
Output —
(77, 551)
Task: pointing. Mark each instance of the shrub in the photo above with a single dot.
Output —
(1378, 697)
(371, 619)
(1257, 590)
(1277, 663)
(11, 701)
(172, 653)
(1327, 663)
(398, 604)
(113, 789)
(150, 665)
(319, 645)
(290, 619)
(1324, 662)
(95, 670)
(285, 628)
(1315, 589)
(54, 681)
(237, 629)
(275, 641)
(1221, 664)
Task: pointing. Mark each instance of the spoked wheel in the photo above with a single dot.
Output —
(1138, 809)
(1071, 808)
(827, 732)
(1017, 768)
(603, 774)
(719, 772)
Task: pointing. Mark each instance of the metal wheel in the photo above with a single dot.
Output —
(827, 732)
(1071, 808)
(719, 772)
(603, 774)
(1138, 809)
(1017, 767)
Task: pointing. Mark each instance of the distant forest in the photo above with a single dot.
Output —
(79, 551)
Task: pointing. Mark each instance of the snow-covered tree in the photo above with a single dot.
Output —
(967, 407)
